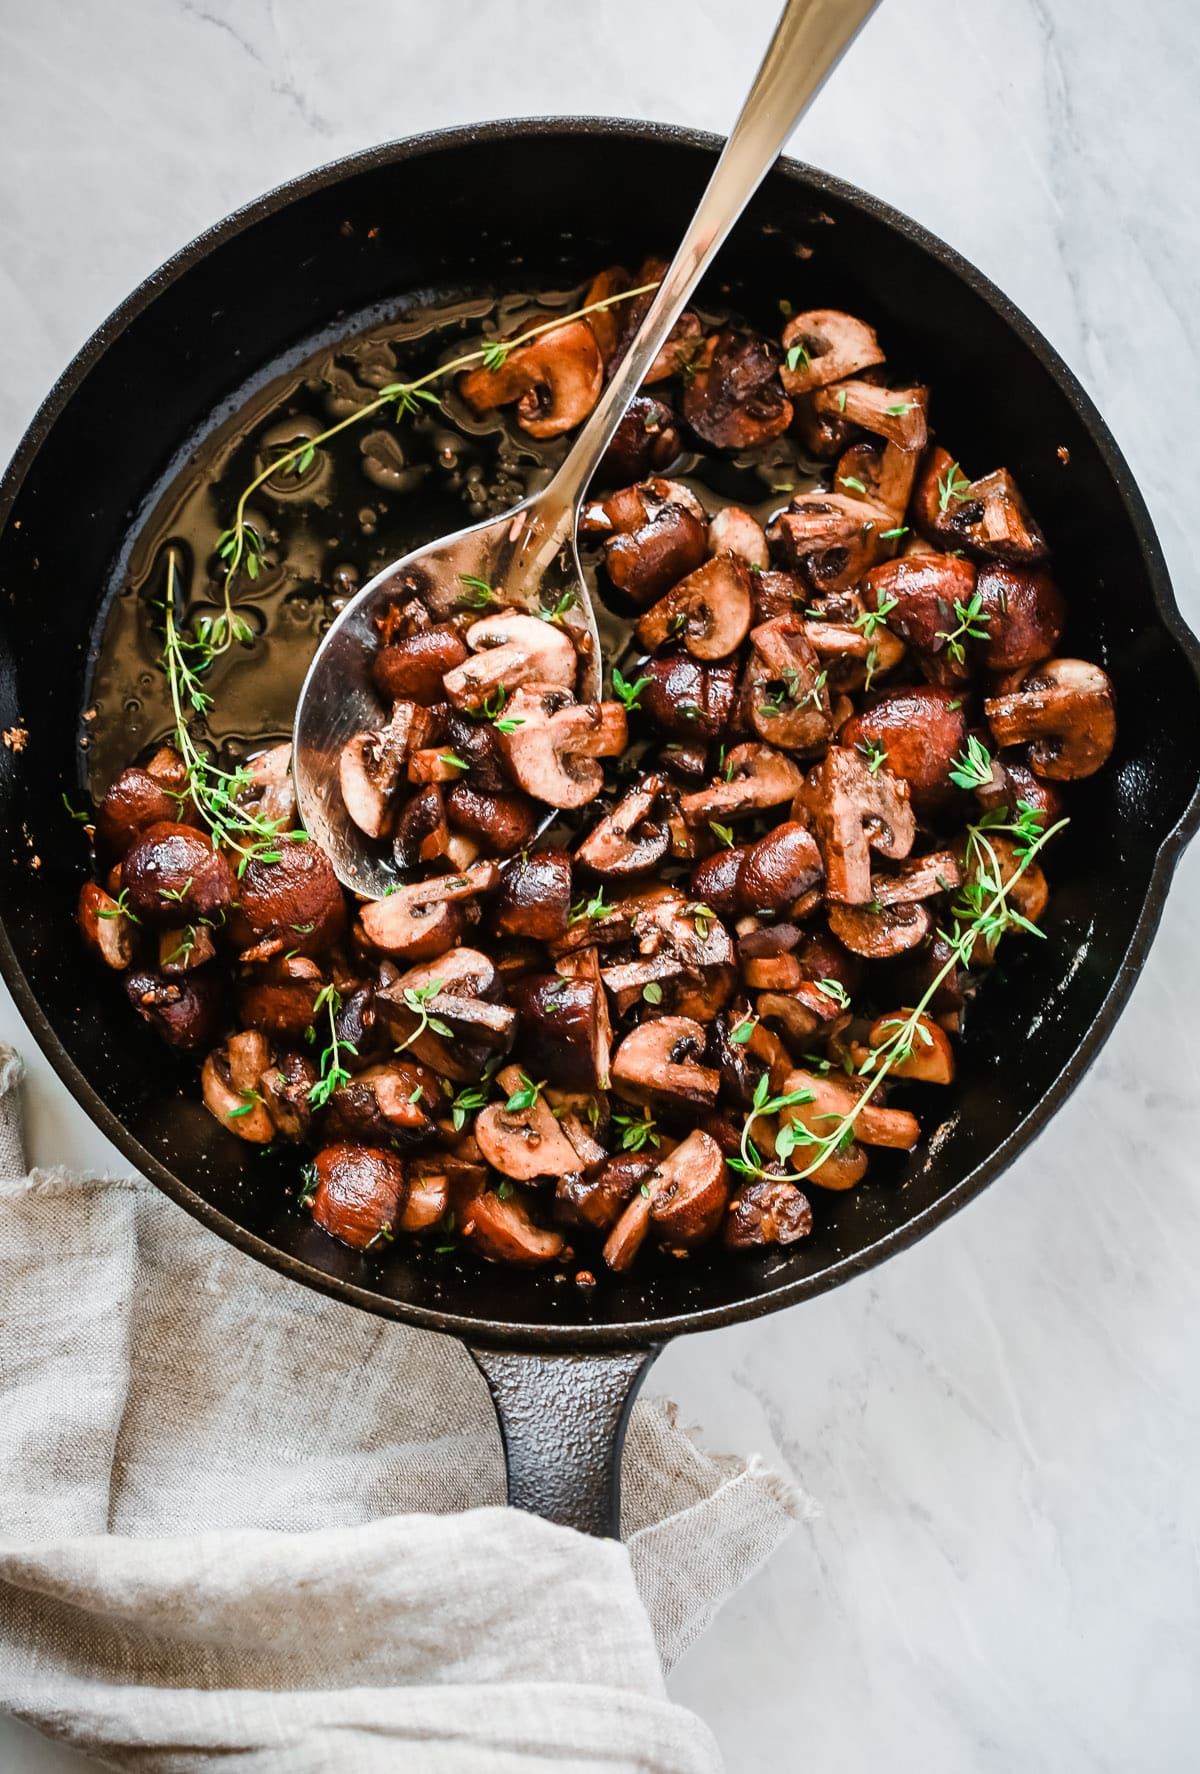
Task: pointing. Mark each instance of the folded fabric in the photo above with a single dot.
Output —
(242, 1522)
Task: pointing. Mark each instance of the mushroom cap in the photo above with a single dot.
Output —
(828, 539)
(136, 800)
(555, 379)
(500, 1229)
(715, 880)
(689, 1191)
(173, 874)
(647, 438)
(501, 823)
(779, 868)
(360, 1193)
(784, 693)
(669, 542)
(535, 896)
(932, 1058)
(594, 1198)
(563, 1029)
(377, 1104)
(922, 729)
(294, 904)
(926, 588)
(734, 399)
(184, 1010)
(524, 1143)
(767, 1211)
(412, 668)
(756, 777)
(1025, 614)
(278, 996)
(686, 698)
(878, 935)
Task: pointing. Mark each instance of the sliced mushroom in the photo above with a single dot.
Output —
(931, 1060)
(555, 380)
(688, 699)
(271, 791)
(853, 812)
(188, 946)
(627, 842)
(554, 742)
(779, 868)
(880, 472)
(294, 905)
(535, 896)
(563, 1027)
(593, 1199)
(508, 650)
(1012, 781)
(692, 933)
(1064, 711)
(849, 657)
(987, 516)
(732, 530)
(428, 1193)
(784, 694)
(287, 1096)
(392, 1102)
(829, 540)
(775, 593)
(371, 767)
(684, 1197)
(423, 919)
(823, 346)
(880, 934)
(230, 1082)
(500, 1229)
(898, 414)
(756, 777)
(185, 1011)
(628, 980)
(360, 1194)
(501, 823)
(733, 398)
(660, 1062)
(917, 730)
(767, 1211)
(421, 833)
(523, 1143)
(105, 926)
(709, 611)
(174, 873)
(412, 669)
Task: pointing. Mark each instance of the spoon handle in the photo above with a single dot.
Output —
(809, 41)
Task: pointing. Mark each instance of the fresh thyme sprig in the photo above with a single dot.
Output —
(416, 999)
(984, 911)
(628, 693)
(214, 790)
(333, 1073)
(973, 625)
(241, 546)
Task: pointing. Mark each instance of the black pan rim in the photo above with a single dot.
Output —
(597, 1338)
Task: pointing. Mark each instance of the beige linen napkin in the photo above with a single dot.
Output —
(243, 1523)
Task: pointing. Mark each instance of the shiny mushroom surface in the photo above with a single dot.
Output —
(660, 970)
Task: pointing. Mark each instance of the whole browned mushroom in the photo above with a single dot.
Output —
(778, 869)
(174, 874)
(554, 742)
(231, 1081)
(293, 905)
(823, 346)
(917, 730)
(563, 1027)
(627, 841)
(733, 398)
(508, 650)
(535, 896)
(709, 611)
(1024, 613)
(661, 1062)
(924, 598)
(412, 668)
(137, 799)
(767, 1211)
(185, 1010)
(715, 880)
(105, 926)
(853, 812)
(1064, 711)
(687, 699)
(555, 380)
(656, 534)
(359, 1195)
(523, 1142)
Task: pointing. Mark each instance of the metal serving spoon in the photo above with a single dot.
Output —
(528, 556)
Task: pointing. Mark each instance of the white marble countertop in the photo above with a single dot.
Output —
(1002, 1427)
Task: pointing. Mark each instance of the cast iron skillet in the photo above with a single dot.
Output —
(545, 204)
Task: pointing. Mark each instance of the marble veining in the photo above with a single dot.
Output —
(1002, 1427)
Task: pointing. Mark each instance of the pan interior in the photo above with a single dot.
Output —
(517, 209)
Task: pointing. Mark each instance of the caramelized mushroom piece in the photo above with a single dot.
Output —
(987, 516)
(924, 597)
(271, 790)
(136, 800)
(684, 1196)
(828, 539)
(709, 611)
(428, 1192)
(421, 834)
(1024, 612)
(756, 777)
(563, 1027)
(503, 823)
(1064, 710)
(105, 926)
(553, 746)
(535, 896)
(931, 1060)
(660, 1062)
(1012, 781)
(784, 694)
(687, 699)
(371, 767)
(853, 812)
(733, 531)
(524, 1142)
(442, 1012)
(394, 1101)
(733, 400)
(230, 1083)
(627, 842)
(173, 873)
(294, 905)
(917, 730)
(287, 1096)
(881, 473)
(878, 935)
(715, 881)
(412, 669)
(359, 1195)
(593, 1199)
(188, 946)
(823, 346)
(779, 868)
(646, 439)
(185, 1011)
(423, 919)
(508, 650)
(500, 1229)
(657, 534)
(767, 1211)
(555, 380)
(898, 414)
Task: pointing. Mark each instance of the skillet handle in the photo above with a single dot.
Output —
(562, 1421)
